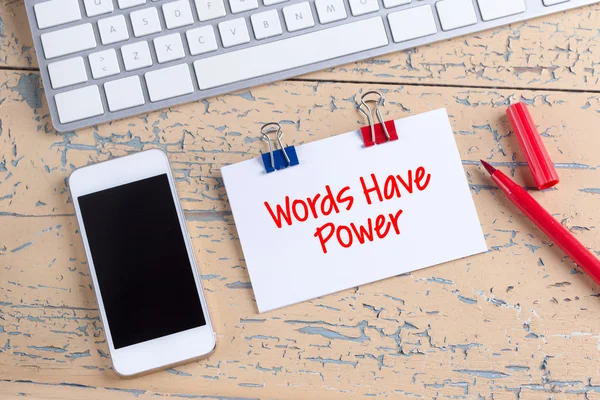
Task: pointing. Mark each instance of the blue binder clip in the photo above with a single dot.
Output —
(281, 158)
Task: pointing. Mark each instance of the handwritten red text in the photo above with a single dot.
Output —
(328, 202)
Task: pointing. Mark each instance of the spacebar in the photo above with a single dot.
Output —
(293, 52)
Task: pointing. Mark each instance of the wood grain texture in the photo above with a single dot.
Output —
(555, 52)
(518, 322)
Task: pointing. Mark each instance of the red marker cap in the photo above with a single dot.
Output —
(541, 166)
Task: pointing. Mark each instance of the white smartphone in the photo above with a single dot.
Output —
(142, 264)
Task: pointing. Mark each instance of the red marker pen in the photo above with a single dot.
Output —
(547, 223)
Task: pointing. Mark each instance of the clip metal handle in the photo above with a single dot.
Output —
(268, 129)
(369, 113)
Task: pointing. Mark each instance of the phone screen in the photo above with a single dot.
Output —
(141, 261)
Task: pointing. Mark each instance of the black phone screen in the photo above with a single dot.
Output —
(141, 261)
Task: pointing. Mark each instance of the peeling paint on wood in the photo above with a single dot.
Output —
(518, 322)
(519, 319)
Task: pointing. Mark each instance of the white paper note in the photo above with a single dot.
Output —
(327, 237)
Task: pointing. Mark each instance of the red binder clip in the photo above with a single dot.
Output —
(376, 133)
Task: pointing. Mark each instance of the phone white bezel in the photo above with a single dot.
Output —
(164, 351)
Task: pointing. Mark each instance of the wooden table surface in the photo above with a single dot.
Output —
(520, 321)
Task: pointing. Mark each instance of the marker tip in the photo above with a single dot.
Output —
(488, 167)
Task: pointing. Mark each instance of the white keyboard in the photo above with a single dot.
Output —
(103, 60)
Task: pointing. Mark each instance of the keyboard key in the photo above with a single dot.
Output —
(177, 14)
(113, 29)
(330, 10)
(168, 48)
(68, 41)
(456, 14)
(394, 3)
(361, 7)
(130, 3)
(98, 7)
(553, 2)
(145, 22)
(201, 40)
(56, 12)
(210, 9)
(271, 2)
(169, 82)
(412, 23)
(104, 63)
(494, 9)
(298, 51)
(298, 16)
(124, 93)
(136, 56)
(67, 72)
(238, 6)
(266, 24)
(78, 104)
(234, 32)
